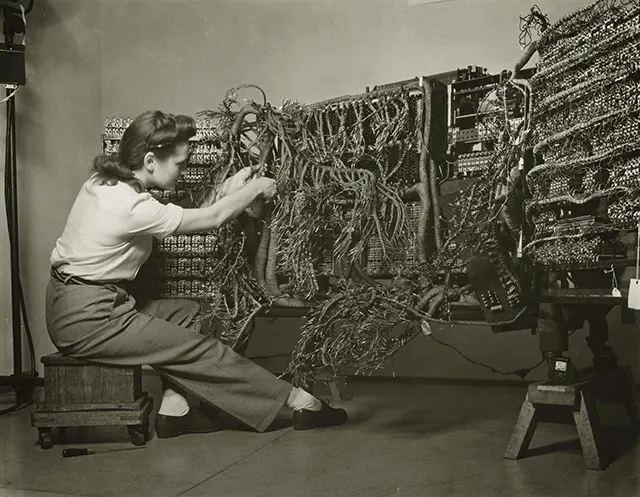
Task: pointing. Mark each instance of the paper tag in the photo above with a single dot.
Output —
(633, 301)
(426, 327)
(616, 293)
(561, 366)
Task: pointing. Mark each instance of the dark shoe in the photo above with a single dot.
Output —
(195, 421)
(327, 416)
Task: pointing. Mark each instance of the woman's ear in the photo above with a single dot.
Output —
(149, 161)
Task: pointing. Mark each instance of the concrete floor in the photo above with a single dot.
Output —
(403, 439)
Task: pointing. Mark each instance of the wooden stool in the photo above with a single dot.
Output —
(79, 393)
(569, 404)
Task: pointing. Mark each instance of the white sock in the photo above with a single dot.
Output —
(299, 399)
(173, 404)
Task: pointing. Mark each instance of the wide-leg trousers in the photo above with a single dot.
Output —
(105, 324)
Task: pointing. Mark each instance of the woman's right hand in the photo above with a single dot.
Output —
(266, 186)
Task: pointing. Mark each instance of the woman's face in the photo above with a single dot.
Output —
(167, 172)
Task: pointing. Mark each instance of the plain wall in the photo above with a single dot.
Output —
(58, 132)
(119, 58)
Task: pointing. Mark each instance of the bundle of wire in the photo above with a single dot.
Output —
(586, 123)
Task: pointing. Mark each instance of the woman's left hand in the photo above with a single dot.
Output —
(235, 182)
(231, 185)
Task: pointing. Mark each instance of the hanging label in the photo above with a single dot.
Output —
(633, 302)
(614, 282)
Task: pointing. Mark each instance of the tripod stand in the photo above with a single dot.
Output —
(22, 382)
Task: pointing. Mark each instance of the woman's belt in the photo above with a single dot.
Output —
(77, 280)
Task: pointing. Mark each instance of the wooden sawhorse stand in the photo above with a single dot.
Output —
(556, 403)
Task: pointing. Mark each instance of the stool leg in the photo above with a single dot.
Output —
(631, 398)
(523, 431)
(588, 426)
(44, 438)
(137, 435)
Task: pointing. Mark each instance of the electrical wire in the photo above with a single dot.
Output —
(536, 19)
(10, 169)
(21, 299)
(10, 162)
(23, 304)
(7, 197)
(10, 95)
(522, 373)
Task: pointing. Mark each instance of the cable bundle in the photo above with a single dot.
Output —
(357, 196)
(586, 124)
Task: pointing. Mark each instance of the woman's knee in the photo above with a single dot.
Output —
(182, 312)
(195, 318)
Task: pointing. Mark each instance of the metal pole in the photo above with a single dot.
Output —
(16, 290)
(12, 218)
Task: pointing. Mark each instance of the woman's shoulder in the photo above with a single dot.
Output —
(119, 193)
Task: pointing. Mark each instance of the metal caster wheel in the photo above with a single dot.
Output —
(44, 438)
(137, 435)
(145, 432)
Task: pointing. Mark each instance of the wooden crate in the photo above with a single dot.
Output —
(80, 393)
(69, 381)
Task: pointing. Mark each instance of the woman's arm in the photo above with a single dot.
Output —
(227, 208)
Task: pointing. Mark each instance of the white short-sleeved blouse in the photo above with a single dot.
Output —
(109, 232)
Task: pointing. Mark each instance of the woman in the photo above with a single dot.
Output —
(108, 235)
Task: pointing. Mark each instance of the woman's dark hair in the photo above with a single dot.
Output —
(152, 131)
